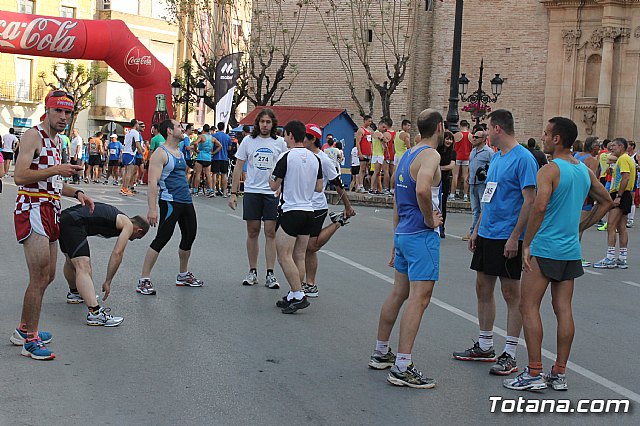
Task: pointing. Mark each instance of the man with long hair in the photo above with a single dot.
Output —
(260, 150)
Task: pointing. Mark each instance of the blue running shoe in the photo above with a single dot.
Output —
(37, 350)
(524, 381)
(18, 337)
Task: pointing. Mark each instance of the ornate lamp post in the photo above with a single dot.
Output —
(452, 114)
(479, 100)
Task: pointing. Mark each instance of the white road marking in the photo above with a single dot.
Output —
(588, 271)
(547, 354)
(632, 283)
(234, 215)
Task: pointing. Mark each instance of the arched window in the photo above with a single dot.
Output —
(592, 77)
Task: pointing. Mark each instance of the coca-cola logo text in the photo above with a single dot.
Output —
(138, 62)
(39, 34)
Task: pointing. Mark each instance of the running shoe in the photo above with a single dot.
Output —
(310, 290)
(557, 381)
(411, 378)
(586, 263)
(211, 194)
(524, 381)
(250, 279)
(603, 227)
(103, 318)
(36, 349)
(451, 197)
(188, 281)
(293, 305)
(126, 193)
(476, 354)
(218, 193)
(19, 337)
(504, 366)
(271, 282)
(622, 264)
(115, 183)
(630, 223)
(145, 287)
(338, 218)
(606, 264)
(465, 198)
(74, 298)
(380, 361)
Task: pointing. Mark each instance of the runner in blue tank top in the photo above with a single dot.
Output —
(551, 251)
(206, 145)
(167, 173)
(416, 253)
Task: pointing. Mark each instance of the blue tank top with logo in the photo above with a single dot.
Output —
(205, 148)
(411, 218)
(173, 182)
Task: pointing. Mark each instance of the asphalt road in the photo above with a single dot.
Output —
(225, 355)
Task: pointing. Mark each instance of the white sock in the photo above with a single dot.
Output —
(403, 361)
(183, 274)
(381, 346)
(295, 295)
(144, 278)
(511, 345)
(485, 339)
(611, 253)
(623, 253)
(633, 212)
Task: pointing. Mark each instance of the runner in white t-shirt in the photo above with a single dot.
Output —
(355, 170)
(298, 176)
(319, 235)
(9, 142)
(259, 151)
(131, 145)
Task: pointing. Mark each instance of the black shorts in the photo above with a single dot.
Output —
(489, 259)
(560, 270)
(171, 213)
(94, 160)
(259, 206)
(73, 238)
(296, 222)
(220, 166)
(603, 181)
(626, 201)
(355, 170)
(114, 163)
(204, 163)
(8, 156)
(139, 161)
(191, 163)
(318, 221)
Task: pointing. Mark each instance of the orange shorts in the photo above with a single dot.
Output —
(41, 219)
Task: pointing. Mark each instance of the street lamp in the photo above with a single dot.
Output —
(452, 114)
(479, 100)
(175, 91)
(200, 88)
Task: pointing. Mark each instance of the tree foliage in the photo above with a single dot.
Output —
(373, 36)
(79, 81)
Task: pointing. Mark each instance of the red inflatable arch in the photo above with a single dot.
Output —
(109, 40)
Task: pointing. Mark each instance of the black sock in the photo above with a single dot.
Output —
(74, 291)
(94, 309)
(254, 270)
(269, 272)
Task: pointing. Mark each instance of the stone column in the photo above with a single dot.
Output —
(605, 37)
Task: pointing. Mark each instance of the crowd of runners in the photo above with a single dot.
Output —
(526, 230)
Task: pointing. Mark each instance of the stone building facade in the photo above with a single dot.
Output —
(576, 58)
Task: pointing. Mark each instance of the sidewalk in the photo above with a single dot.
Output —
(365, 199)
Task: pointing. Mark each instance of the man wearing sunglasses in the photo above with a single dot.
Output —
(479, 160)
(39, 175)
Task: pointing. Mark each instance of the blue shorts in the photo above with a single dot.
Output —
(418, 255)
(128, 159)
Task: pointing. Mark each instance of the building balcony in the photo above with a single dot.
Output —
(21, 93)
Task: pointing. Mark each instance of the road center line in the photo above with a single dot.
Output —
(632, 283)
(547, 354)
(587, 271)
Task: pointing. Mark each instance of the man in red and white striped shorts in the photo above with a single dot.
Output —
(39, 173)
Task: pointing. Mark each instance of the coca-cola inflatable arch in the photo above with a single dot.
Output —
(110, 41)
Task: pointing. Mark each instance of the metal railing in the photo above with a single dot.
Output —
(20, 92)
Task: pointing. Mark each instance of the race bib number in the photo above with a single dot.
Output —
(57, 182)
(368, 138)
(489, 191)
(263, 159)
(113, 151)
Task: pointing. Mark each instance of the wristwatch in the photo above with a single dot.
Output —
(75, 195)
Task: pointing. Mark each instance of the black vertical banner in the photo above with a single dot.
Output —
(227, 73)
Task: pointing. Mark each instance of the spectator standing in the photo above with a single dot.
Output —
(447, 163)
(9, 143)
(539, 155)
(479, 160)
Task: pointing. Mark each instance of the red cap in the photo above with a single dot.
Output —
(58, 99)
(314, 130)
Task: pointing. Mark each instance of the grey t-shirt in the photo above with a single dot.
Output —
(478, 159)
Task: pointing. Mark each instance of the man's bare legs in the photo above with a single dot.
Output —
(465, 181)
(419, 298)
(454, 183)
(41, 257)
(270, 243)
(253, 232)
(315, 244)
(376, 186)
(485, 286)
(81, 267)
(391, 307)
(291, 257)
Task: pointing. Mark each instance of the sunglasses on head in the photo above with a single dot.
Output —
(61, 93)
(477, 137)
